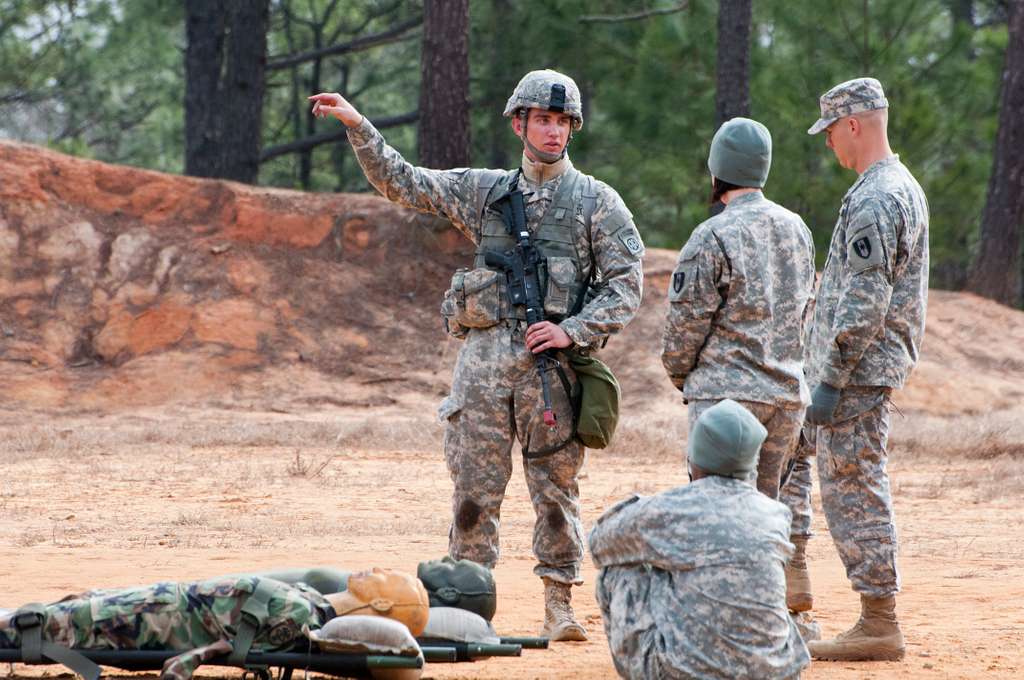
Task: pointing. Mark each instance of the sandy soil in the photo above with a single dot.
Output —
(126, 499)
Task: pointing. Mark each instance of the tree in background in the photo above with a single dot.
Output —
(106, 79)
(224, 85)
(732, 95)
(444, 85)
(996, 271)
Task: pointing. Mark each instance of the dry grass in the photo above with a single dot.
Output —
(979, 438)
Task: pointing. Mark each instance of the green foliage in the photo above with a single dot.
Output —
(104, 79)
(101, 79)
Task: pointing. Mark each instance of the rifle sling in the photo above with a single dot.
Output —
(553, 448)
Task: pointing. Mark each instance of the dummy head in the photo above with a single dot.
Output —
(385, 592)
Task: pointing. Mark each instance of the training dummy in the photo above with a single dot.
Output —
(212, 618)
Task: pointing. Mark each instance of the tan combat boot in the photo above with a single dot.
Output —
(559, 622)
(875, 637)
(798, 580)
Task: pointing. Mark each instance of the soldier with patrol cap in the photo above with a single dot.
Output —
(591, 254)
(864, 341)
(737, 301)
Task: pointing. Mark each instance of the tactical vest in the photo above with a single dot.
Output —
(562, 237)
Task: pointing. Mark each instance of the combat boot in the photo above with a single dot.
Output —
(798, 580)
(875, 637)
(559, 622)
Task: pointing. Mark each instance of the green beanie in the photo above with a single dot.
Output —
(741, 153)
(726, 440)
(459, 583)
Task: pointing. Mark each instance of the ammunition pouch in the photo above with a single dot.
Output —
(473, 300)
(561, 283)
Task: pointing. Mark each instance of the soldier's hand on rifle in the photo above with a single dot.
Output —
(546, 335)
(333, 104)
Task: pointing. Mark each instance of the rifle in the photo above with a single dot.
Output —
(522, 272)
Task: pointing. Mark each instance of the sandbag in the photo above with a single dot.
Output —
(459, 625)
(368, 634)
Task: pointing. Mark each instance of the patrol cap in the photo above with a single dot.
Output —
(548, 90)
(741, 153)
(845, 99)
(459, 583)
(726, 440)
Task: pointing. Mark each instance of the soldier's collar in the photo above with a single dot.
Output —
(745, 198)
(539, 173)
(872, 169)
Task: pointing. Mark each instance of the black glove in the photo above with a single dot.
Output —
(824, 400)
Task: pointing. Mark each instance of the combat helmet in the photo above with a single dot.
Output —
(459, 583)
(550, 91)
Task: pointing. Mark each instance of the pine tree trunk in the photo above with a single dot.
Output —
(444, 86)
(996, 271)
(224, 86)
(732, 97)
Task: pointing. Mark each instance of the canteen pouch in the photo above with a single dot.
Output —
(597, 400)
(476, 294)
(561, 282)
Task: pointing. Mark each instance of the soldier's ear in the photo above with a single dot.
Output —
(517, 125)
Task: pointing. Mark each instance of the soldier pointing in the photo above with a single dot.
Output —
(591, 285)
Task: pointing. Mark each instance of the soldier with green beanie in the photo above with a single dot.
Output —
(590, 253)
(691, 581)
(738, 300)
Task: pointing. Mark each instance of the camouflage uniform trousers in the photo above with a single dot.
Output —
(795, 493)
(783, 425)
(495, 399)
(855, 491)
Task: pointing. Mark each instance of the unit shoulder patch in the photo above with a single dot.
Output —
(864, 250)
(630, 238)
(682, 280)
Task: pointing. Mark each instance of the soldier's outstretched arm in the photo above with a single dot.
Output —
(693, 299)
(453, 194)
(866, 290)
(618, 259)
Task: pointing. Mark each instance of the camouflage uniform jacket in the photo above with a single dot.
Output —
(870, 313)
(612, 248)
(737, 301)
(691, 584)
(179, 616)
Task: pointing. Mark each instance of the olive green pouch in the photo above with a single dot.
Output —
(597, 400)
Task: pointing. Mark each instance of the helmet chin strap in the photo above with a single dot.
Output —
(542, 156)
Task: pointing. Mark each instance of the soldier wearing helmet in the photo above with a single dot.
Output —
(592, 287)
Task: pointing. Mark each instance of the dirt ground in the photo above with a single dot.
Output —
(125, 499)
